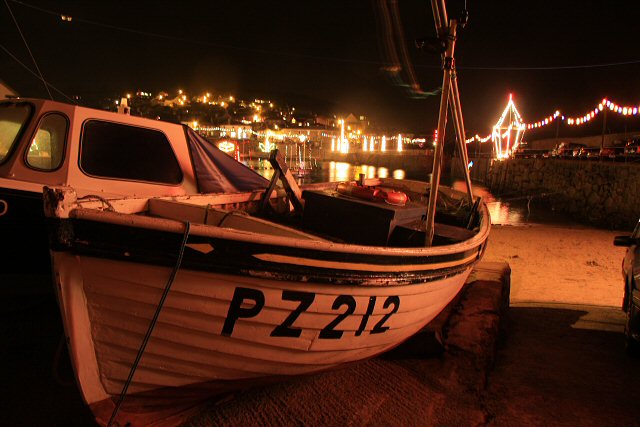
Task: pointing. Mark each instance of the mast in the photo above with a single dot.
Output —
(446, 32)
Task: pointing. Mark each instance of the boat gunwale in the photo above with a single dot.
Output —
(211, 231)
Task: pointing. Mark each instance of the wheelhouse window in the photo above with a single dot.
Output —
(113, 150)
(13, 120)
(47, 147)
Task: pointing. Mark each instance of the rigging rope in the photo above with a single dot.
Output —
(36, 75)
(28, 49)
(152, 325)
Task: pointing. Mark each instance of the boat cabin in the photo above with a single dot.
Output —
(100, 154)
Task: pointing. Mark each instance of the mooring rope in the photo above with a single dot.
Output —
(102, 200)
(151, 325)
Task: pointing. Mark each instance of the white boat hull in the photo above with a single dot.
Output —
(207, 339)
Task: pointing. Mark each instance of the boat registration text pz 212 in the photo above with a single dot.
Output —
(242, 297)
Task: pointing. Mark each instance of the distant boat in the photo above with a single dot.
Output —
(257, 296)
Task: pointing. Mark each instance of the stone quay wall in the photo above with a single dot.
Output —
(605, 194)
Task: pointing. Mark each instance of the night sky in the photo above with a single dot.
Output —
(327, 55)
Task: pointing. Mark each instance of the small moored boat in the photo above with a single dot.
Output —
(253, 299)
(169, 301)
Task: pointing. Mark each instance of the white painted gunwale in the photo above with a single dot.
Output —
(173, 226)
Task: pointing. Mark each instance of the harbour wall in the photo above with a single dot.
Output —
(605, 194)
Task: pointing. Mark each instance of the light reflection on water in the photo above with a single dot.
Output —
(519, 211)
(502, 212)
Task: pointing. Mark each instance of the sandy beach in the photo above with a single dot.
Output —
(559, 264)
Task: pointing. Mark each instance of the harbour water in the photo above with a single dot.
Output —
(505, 209)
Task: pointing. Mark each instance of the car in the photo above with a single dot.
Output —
(611, 152)
(589, 153)
(631, 299)
(632, 148)
(565, 150)
(524, 151)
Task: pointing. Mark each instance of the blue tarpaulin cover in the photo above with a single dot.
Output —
(217, 172)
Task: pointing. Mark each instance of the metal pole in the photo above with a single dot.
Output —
(442, 124)
(458, 123)
(604, 125)
(439, 16)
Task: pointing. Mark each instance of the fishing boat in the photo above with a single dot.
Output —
(168, 301)
(251, 299)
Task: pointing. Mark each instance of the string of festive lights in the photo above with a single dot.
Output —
(605, 104)
(478, 138)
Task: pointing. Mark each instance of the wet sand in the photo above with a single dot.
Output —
(554, 264)
(561, 361)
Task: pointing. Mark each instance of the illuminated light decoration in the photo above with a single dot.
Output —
(365, 143)
(344, 143)
(267, 145)
(435, 137)
(226, 146)
(507, 137)
(371, 144)
(604, 103)
(399, 142)
(399, 174)
(478, 138)
(383, 144)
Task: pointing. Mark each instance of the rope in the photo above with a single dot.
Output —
(101, 199)
(28, 49)
(73, 101)
(151, 325)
